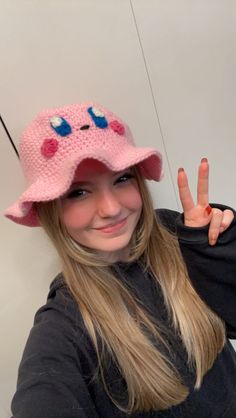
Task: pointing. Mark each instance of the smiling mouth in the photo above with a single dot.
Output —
(113, 227)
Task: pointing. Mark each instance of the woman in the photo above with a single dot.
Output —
(127, 329)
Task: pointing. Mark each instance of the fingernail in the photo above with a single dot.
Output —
(212, 240)
(204, 160)
(208, 209)
(180, 170)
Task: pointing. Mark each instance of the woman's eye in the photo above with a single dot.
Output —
(125, 177)
(77, 193)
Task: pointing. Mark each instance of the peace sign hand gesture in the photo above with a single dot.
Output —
(201, 214)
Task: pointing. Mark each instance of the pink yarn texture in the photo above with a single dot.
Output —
(57, 140)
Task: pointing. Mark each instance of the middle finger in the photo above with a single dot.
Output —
(202, 185)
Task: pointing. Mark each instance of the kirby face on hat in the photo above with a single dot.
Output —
(57, 140)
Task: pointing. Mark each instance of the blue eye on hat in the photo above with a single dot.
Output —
(98, 117)
(60, 126)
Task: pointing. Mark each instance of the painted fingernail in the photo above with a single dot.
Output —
(212, 240)
(204, 160)
(208, 210)
(180, 170)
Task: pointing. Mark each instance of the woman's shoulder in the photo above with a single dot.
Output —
(58, 330)
(167, 218)
(61, 313)
(57, 360)
(59, 299)
(57, 282)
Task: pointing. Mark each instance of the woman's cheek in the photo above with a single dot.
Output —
(76, 217)
(133, 198)
(138, 200)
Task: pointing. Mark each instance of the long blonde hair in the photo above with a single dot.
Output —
(111, 312)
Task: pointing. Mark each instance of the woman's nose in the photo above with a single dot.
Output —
(108, 204)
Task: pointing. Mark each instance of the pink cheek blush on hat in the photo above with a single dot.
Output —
(58, 140)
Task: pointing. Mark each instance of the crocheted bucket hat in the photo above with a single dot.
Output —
(58, 140)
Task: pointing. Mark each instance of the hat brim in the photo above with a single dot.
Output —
(23, 211)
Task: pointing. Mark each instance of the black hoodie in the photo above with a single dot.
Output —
(59, 360)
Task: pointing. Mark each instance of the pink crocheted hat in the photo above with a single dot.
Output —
(57, 140)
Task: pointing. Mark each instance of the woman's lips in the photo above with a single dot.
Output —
(114, 227)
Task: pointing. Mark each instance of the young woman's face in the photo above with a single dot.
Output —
(102, 208)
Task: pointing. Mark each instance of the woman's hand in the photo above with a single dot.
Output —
(201, 214)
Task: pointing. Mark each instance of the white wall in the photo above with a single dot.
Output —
(166, 67)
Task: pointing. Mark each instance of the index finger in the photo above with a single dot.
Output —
(184, 191)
